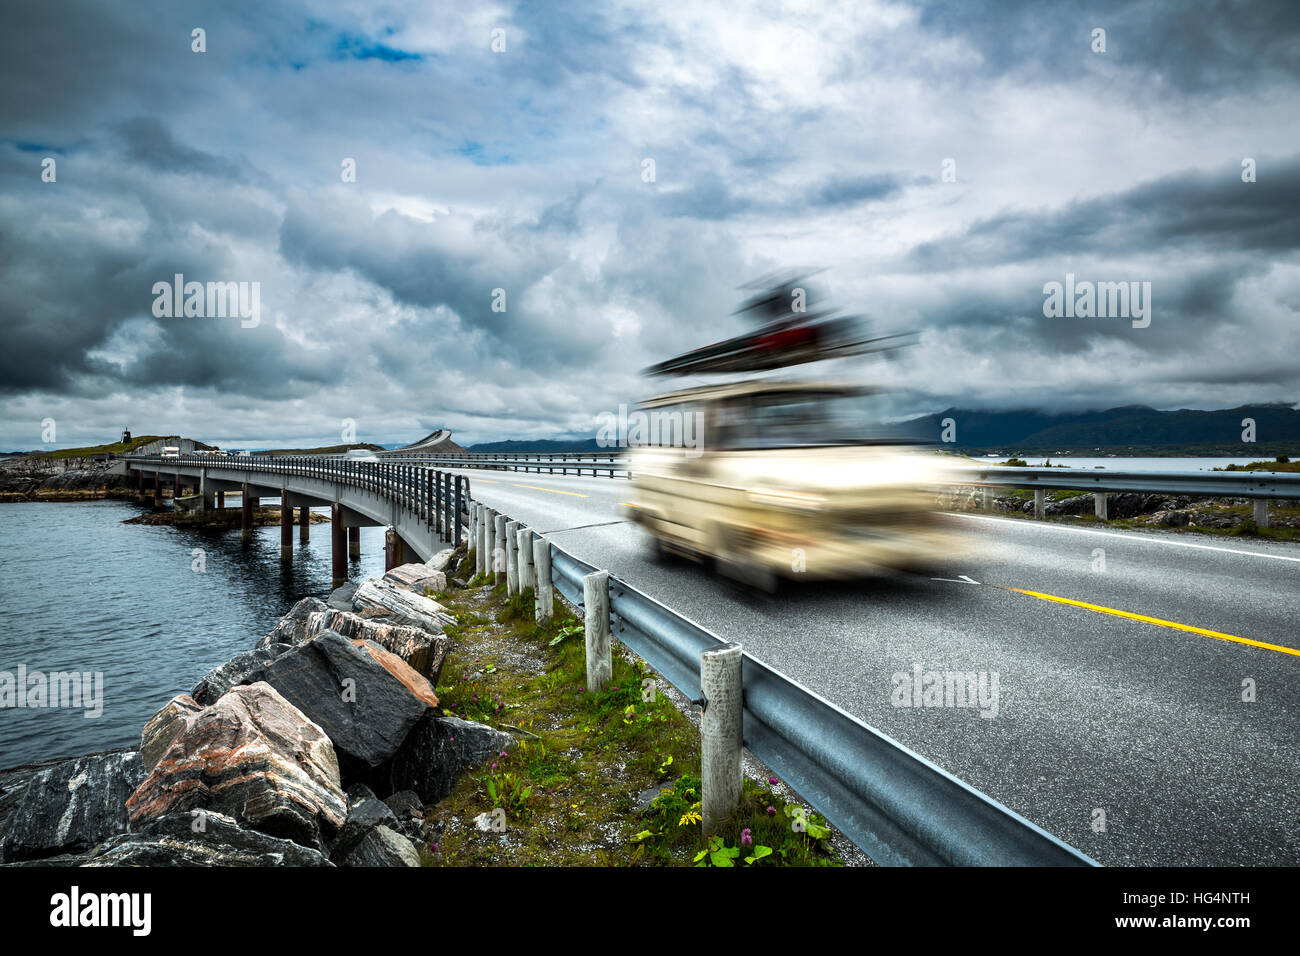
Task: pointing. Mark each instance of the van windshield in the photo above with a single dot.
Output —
(800, 420)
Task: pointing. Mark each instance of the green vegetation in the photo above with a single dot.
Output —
(568, 789)
(113, 448)
(1281, 463)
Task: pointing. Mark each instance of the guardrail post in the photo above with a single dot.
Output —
(595, 600)
(489, 536)
(543, 599)
(1099, 505)
(512, 558)
(721, 735)
(524, 548)
(456, 506)
(986, 498)
(1261, 512)
(498, 547)
(1040, 503)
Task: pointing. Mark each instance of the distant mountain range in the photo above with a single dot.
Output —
(1126, 429)
(1137, 426)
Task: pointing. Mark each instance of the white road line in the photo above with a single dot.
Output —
(1136, 537)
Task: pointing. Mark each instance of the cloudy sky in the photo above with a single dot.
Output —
(779, 134)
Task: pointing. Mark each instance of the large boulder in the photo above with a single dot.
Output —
(246, 667)
(163, 727)
(72, 805)
(442, 560)
(381, 846)
(292, 628)
(365, 812)
(425, 652)
(365, 698)
(255, 757)
(207, 839)
(419, 578)
(375, 598)
(438, 751)
(341, 597)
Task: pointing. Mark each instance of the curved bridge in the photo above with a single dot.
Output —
(424, 509)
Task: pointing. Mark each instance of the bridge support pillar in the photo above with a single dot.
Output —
(354, 542)
(157, 489)
(221, 500)
(1261, 512)
(338, 545)
(1099, 505)
(286, 529)
(1040, 503)
(246, 515)
(304, 523)
(392, 546)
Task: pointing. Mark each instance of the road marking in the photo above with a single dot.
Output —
(1127, 537)
(554, 491)
(960, 579)
(629, 504)
(1218, 635)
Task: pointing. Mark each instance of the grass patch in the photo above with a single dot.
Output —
(569, 788)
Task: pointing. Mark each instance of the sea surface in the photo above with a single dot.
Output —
(81, 591)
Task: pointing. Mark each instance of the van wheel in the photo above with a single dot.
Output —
(731, 563)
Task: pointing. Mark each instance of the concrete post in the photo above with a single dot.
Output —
(1099, 505)
(456, 505)
(721, 735)
(304, 523)
(543, 599)
(391, 545)
(524, 547)
(498, 548)
(484, 562)
(354, 542)
(986, 498)
(595, 600)
(512, 558)
(338, 545)
(1040, 503)
(286, 529)
(1261, 512)
(246, 518)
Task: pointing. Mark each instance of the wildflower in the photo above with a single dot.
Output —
(773, 781)
(771, 811)
(746, 837)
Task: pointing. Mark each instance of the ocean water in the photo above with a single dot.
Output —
(81, 591)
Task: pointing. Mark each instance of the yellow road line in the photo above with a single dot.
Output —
(554, 491)
(629, 504)
(1218, 635)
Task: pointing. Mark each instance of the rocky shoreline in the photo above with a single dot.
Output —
(321, 745)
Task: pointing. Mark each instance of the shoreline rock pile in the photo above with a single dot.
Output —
(320, 746)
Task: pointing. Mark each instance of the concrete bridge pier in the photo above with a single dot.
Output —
(157, 489)
(221, 500)
(338, 545)
(392, 549)
(246, 524)
(304, 524)
(354, 542)
(286, 529)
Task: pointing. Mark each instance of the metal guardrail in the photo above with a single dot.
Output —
(898, 807)
(1212, 484)
(611, 466)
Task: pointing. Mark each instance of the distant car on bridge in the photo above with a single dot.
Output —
(171, 451)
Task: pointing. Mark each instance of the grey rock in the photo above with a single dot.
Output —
(73, 805)
(380, 598)
(163, 727)
(365, 812)
(425, 652)
(292, 628)
(441, 560)
(341, 597)
(382, 846)
(364, 708)
(246, 667)
(208, 839)
(438, 751)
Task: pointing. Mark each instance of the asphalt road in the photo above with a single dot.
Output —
(1139, 720)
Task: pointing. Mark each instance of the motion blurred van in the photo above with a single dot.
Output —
(785, 480)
